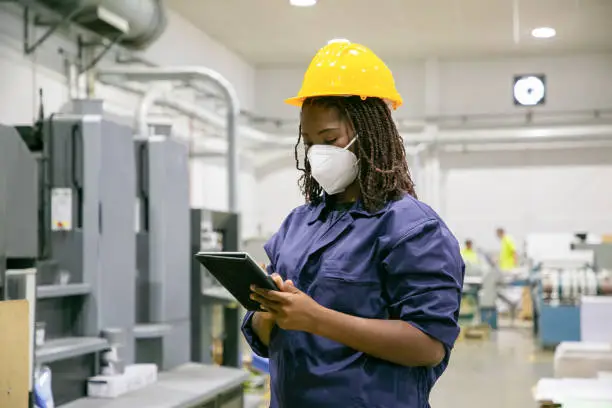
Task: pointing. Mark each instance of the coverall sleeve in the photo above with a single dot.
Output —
(271, 247)
(423, 280)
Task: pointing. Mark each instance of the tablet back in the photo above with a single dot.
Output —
(237, 272)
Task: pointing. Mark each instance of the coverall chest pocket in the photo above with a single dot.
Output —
(350, 292)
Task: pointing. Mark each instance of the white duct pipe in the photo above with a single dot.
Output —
(152, 74)
(205, 115)
(550, 134)
(146, 103)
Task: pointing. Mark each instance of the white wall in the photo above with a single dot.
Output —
(209, 189)
(533, 191)
(282, 193)
(184, 44)
(574, 82)
(465, 87)
(551, 191)
(181, 44)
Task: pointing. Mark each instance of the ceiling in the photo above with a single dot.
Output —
(272, 32)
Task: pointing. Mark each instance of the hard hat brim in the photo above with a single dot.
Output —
(299, 100)
(295, 101)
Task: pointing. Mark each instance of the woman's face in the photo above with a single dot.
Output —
(322, 125)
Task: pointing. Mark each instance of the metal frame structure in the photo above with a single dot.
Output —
(32, 18)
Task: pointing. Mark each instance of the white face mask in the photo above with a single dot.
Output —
(334, 168)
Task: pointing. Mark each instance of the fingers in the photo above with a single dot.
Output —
(278, 281)
(271, 295)
(265, 304)
(290, 287)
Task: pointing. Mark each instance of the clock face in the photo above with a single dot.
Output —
(529, 90)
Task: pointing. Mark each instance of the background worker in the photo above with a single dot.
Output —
(508, 259)
(468, 253)
(370, 278)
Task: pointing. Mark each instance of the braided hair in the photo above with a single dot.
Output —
(383, 169)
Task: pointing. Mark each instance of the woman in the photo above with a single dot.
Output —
(369, 277)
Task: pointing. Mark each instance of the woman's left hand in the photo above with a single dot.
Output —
(292, 308)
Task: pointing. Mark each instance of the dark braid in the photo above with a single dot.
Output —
(383, 169)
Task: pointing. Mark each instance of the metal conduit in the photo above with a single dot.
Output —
(189, 74)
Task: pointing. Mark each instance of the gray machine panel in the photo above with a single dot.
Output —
(169, 249)
(162, 245)
(117, 264)
(93, 157)
(18, 197)
(176, 350)
(73, 146)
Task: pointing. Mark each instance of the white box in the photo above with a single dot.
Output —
(107, 386)
(582, 359)
(135, 377)
(595, 312)
(142, 374)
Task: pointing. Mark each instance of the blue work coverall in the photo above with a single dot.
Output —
(401, 262)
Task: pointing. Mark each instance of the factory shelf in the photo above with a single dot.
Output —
(56, 291)
(151, 330)
(190, 385)
(68, 347)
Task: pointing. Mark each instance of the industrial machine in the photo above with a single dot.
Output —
(79, 245)
(18, 201)
(69, 186)
(163, 257)
(19, 247)
(571, 267)
(560, 295)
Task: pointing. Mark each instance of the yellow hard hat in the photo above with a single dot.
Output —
(343, 68)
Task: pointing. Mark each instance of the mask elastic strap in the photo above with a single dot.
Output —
(349, 145)
(351, 142)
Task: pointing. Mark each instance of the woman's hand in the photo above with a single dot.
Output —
(290, 307)
(267, 316)
(263, 322)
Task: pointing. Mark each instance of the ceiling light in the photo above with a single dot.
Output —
(339, 40)
(303, 3)
(543, 32)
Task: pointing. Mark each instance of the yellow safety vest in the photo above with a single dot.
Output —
(507, 254)
(469, 255)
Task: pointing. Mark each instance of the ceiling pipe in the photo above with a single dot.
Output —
(509, 135)
(188, 74)
(205, 115)
(146, 103)
(586, 133)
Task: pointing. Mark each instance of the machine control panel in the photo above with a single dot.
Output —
(61, 209)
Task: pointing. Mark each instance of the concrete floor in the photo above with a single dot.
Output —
(499, 372)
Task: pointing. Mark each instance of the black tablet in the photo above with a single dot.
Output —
(237, 271)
